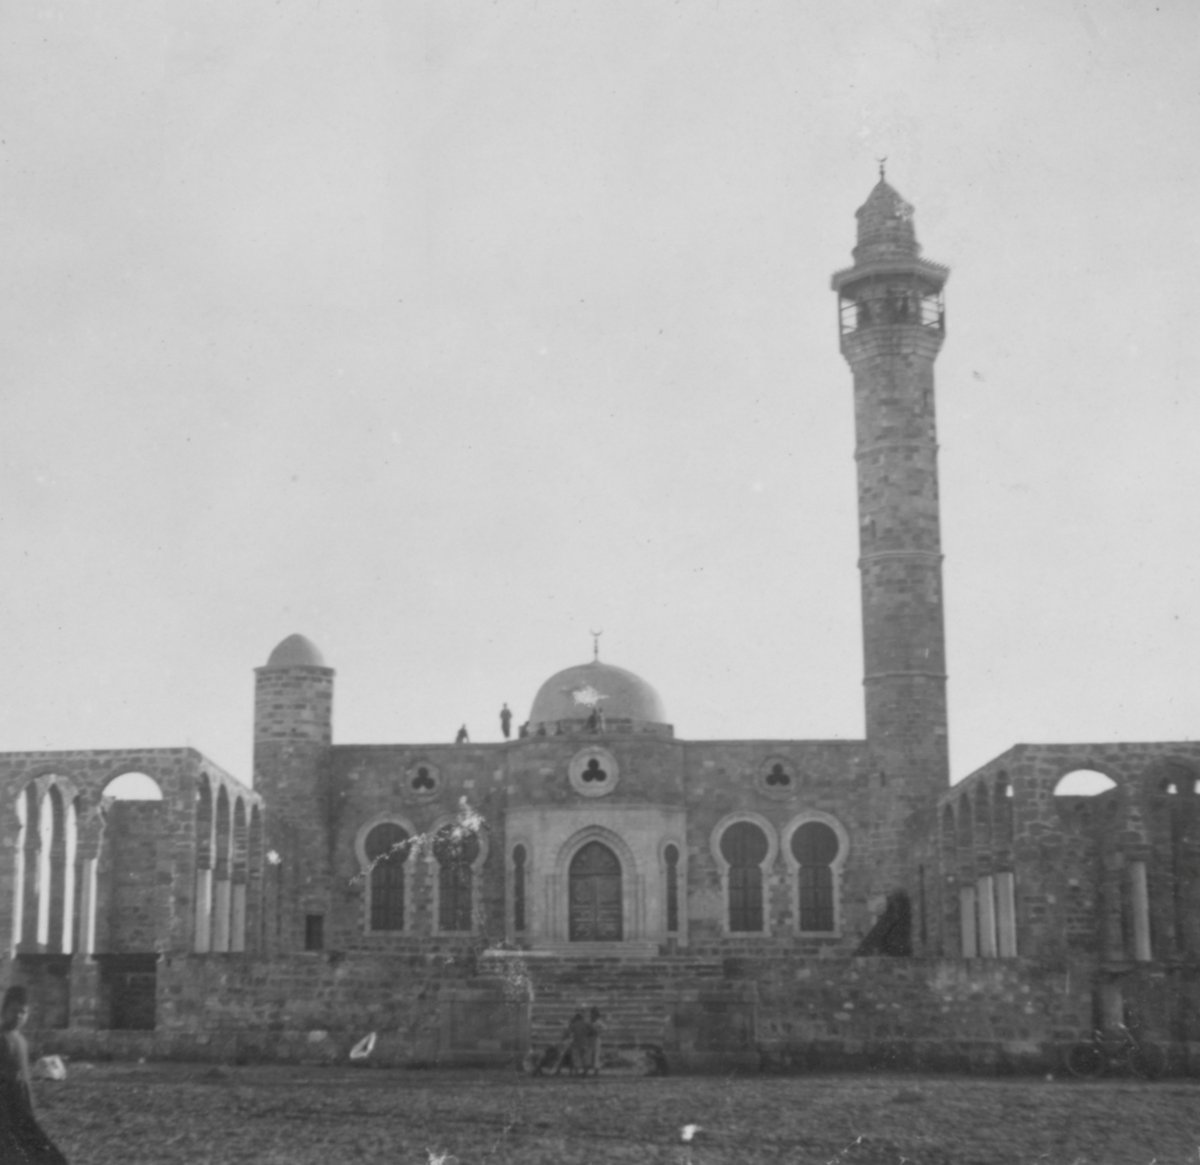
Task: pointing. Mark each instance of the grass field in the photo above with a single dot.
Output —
(153, 1114)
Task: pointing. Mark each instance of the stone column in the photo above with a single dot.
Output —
(204, 894)
(237, 918)
(554, 922)
(966, 914)
(15, 900)
(1112, 930)
(1139, 897)
(87, 906)
(69, 854)
(987, 917)
(222, 903)
(1006, 915)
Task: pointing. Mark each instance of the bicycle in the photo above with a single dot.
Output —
(1119, 1051)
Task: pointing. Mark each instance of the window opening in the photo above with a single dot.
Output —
(455, 851)
(386, 848)
(744, 846)
(519, 888)
(815, 846)
(672, 859)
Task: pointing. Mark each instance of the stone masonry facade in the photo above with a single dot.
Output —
(728, 904)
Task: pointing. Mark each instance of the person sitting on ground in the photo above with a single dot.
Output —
(576, 1037)
(22, 1139)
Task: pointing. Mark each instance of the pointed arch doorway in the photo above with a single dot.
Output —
(595, 899)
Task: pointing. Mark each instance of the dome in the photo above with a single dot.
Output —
(296, 651)
(618, 694)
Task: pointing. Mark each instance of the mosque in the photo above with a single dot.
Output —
(731, 901)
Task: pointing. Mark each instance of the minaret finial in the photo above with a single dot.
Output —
(882, 168)
(596, 645)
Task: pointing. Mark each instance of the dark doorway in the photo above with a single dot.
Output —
(595, 895)
(127, 988)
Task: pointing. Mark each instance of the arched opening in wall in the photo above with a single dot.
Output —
(133, 787)
(595, 902)
(239, 873)
(744, 847)
(222, 887)
(519, 859)
(386, 848)
(456, 851)
(671, 861)
(128, 892)
(44, 896)
(256, 891)
(30, 812)
(1174, 868)
(815, 848)
(204, 864)
(1002, 815)
(1083, 783)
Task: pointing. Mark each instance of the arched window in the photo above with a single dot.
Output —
(671, 859)
(744, 846)
(133, 787)
(1083, 783)
(815, 848)
(386, 850)
(455, 850)
(519, 859)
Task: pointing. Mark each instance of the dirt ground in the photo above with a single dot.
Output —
(163, 1114)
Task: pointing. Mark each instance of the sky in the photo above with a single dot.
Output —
(445, 333)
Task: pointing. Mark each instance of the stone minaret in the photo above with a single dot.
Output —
(293, 732)
(892, 326)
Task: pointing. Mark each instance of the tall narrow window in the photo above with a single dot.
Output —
(387, 848)
(744, 846)
(455, 851)
(815, 846)
(519, 888)
(671, 856)
(314, 932)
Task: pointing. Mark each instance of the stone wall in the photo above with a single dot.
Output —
(706, 1013)
(934, 1013)
(128, 900)
(1073, 857)
(80, 778)
(424, 787)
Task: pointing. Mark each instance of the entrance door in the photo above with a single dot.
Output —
(595, 895)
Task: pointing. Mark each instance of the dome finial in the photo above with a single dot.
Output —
(596, 644)
(882, 168)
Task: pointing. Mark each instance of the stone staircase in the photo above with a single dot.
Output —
(636, 991)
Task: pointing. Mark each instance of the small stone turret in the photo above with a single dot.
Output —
(293, 732)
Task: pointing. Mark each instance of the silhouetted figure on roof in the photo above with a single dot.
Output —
(505, 721)
(462, 737)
